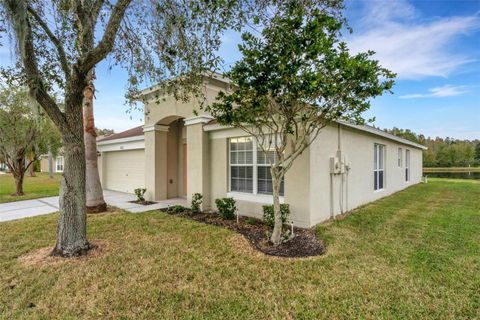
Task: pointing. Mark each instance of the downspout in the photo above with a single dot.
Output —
(340, 156)
(332, 211)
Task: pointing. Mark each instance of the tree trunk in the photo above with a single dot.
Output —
(19, 184)
(95, 200)
(72, 224)
(50, 164)
(31, 170)
(278, 226)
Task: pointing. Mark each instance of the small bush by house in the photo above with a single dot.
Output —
(197, 199)
(226, 207)
(269, 217)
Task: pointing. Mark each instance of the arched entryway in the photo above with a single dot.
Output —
(176, 157)
(165, 159)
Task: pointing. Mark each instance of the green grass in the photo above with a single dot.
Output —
(33, 187)
(414, 255)
(451, 169)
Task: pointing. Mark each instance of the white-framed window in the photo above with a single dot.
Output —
(400, 157)
(249, 170)
(241, 164)
(59, 164)
(378, 167)
(407, 165)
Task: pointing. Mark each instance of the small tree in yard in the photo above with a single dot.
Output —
(293, 81)
(21, 133)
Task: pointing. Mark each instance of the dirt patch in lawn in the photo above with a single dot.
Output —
(304, 244)
(42, 257)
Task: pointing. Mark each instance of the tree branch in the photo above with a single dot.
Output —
(34, 80)
(61, 52)
(106, 44)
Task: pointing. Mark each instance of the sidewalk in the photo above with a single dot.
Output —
(35, 207)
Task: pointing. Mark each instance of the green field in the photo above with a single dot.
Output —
(452, 169)
(414, 255)
(33, 187)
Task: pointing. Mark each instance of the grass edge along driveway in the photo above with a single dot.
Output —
(33, 187)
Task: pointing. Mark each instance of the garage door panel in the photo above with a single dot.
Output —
(125, 170)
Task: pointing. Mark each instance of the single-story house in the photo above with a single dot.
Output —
(58, 162)
(178, 152)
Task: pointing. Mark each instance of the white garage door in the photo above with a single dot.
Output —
(125, 170)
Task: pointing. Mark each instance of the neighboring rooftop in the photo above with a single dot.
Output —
(137, 131)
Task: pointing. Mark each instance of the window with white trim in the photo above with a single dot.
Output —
(378, 167)
(400, 157)
(249, 170)
(241, 164)
(407, 165)
(59, 164)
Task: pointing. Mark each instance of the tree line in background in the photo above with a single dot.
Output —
(443, 152)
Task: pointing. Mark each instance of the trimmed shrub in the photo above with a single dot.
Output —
(269, 217)
(177, 209)
(226, 207)
(197, 199)
(140, 193)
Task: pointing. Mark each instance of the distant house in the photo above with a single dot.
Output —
(58, 162)
(176, 153)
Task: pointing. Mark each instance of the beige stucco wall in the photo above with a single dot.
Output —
(159, 108)
(156, 181)
(358, 146)
(307, 183)
(198, 163)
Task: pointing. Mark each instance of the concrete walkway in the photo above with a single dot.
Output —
(35, 207)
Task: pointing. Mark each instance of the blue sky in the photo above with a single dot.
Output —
(433, 46)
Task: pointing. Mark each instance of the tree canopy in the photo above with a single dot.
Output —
(443, 152)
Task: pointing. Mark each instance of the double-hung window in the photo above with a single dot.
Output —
(264, 175)
(407, 165)
(250, 167)
(59, 164)
(378, 167)
(241, 164)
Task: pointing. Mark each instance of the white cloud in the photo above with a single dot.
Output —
(407, 44)
(438, 92)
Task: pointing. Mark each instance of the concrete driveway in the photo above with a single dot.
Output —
(35, 207)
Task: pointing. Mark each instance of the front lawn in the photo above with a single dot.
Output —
(413, 255)
(33, 187)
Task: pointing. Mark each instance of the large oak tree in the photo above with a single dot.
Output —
(59, 42)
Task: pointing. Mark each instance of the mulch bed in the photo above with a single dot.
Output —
(304, 244)
(145, 203)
